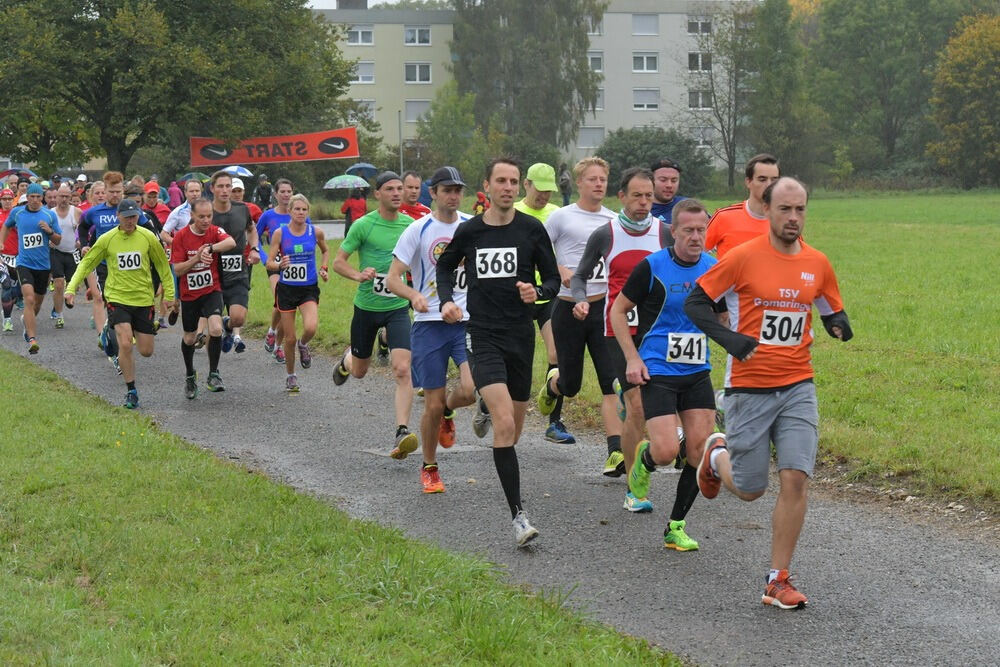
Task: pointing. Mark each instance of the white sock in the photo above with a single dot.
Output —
(711, 459)
(772, 575)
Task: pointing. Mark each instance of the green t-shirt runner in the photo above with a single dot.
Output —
(374, 238)
(131, 258)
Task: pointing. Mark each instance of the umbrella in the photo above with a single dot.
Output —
(345, 181)
(237, 170)
(20, 171)
(362, 169)
(194, 176)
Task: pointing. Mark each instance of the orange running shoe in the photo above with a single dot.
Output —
(708, 481)
(431, 480)
(446, 434)
(781, 593)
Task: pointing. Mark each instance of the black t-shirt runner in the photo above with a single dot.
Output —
(496, 259)
(236, 221)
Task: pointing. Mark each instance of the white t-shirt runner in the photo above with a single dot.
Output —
(569, 228)
(419, 247)
(68, 226)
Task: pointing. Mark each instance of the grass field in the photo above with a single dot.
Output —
(120, 544)
(916, 394)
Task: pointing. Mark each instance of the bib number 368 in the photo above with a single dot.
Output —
(782, 328)
(496, 263)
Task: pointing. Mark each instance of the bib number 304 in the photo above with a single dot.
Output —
(496, 263)
(686, 348)
(782, 328)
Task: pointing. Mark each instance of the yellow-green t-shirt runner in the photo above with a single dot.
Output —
(131, 260)
(374, 238)
(542, 214)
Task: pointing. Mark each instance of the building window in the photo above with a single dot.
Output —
(699, 99)
(699, 62)
(645, 24)
(417, 73)
(364, 72)
(645, 99)
(590, 137)
(417, 35)
(599, 104)
(595, 27)
(643, 62)
(699, 26)
(415, 109)
(596, 60)
(361, 35)
(703, 136)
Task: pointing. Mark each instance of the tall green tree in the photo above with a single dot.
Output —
(527, 62)
(449, 135)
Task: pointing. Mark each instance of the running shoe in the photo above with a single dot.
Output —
(675, 538)
(269, 340)
(161, 323)
(227, 335)
(60, 323)
(547, 402)
(172, 317)
(420, 392)
(637, 505)
(305, 358)
(524, 532)
(131, 399)
(446, 432)
(638, 477)
(617, 386)
(292, 384)
(708, 480)
(782, 594)
(383, 349)
(279, 356)
(614, 465)
(340, 373)
(8, 325)
(214, 382)
(19, 303)
(200, 340)
(53, 314)
(191, 386)
(556, 432)
(25, 333)
(32, 346)
(406, 443)
(431, 480)
(239, 347)
(482, 421)
(114, 362)
(720, 411)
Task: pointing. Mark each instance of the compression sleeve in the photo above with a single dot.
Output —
(598, 246)
(838, 319)
(699, 308)
(83, 229)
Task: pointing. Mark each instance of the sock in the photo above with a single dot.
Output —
(647, 460)
(687, 491)
(271, 332)
(187, 351)
(772, 575)
(556, 415)
(130, 385)
(505, 459)
(711, 460)
(429, 466)
(291, 375)
(226, 326)
(214, 352)
(449, 413)
(401, 429)
(614, 443)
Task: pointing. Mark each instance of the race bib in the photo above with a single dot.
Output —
(36, 240)
(129, 261)
(10, 260)
(600, 272)
(632, 316)
(76, 256)
(197, 280)
(687, 348)
(294, 273)
(496, 263)
(380, 285)
(233, 263)
(166, 249)
(461, 282)
(782, 328)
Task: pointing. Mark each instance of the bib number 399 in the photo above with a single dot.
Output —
(496, 263)
(782, 328)
(32, 241)
(686, 348)
(129, 261)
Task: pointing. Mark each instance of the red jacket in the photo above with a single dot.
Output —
(357, 208)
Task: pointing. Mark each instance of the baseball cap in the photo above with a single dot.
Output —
(81, 177)
(446, 176)
(543, 177)
(128, 208)
(7, 192)
(238, 184)
(35, 189)
(151, 186)
(385, 177)
(23, 199)
(665, 163)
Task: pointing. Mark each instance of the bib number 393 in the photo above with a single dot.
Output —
(686, 348)
(199, 279)
(232, 263)
(294, 273)
(782, 328)
(129, 261)
(496, 263)
(380, 285)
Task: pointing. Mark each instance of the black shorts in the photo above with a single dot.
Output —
(366, 323)
(235, 289)
(618, 362)
(140, 317)
(204, 306)
(37, 278)
(63, 263)
(102, 276)
(289, 297)
(667, 394)
(542, 312)
(503, 357)
(572, 337)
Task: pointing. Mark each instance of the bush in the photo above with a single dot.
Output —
(641, 146)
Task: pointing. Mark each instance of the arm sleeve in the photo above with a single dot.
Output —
(699, 308)
(545, 264)
(447, 263)
(83, 229)
(637, 286)
(597, 247)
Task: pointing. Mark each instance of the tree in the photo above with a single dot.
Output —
(642, 146)
(150, 72)
(449, 135)
(528, 64)
(966, 103)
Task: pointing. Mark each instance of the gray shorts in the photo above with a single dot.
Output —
(789, 418)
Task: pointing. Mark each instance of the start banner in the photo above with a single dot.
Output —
(329, 145)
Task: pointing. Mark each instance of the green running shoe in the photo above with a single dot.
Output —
(675, 538)
(638, 478)
(214, 382)
(614, 466)
(617, 386)
(191, 386)
(547, 403)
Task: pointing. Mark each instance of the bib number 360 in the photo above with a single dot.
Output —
(686, 348)
(782, 328)
(496, 263)
(129, 261)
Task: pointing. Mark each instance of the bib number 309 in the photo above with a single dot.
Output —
(496, 263)
(199, 279)
(686, 348)
(782, 328)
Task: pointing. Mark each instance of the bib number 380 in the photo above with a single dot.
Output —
(294, 273)
(782, 328)
(496, 263)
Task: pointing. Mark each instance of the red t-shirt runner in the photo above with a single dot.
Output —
(203, 278)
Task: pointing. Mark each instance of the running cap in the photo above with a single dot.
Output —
(385, 177)
(7, 192)
(446, 176)
(151, 186)
(543, 177)
(23, 199)
(128, 208)
(81, 177)
(35, 189)
(23, 179)
(238, 184)
(665, 163)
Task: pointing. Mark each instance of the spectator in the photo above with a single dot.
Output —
(565, 183)
(174, 195)
(354, 207)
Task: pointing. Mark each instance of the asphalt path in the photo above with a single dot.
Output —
(883, 588)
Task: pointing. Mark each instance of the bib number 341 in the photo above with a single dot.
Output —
(686, 348)
(496, 263)
(782, 328)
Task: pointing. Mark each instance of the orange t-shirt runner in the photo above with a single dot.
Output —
(732, 226)
(770, 296)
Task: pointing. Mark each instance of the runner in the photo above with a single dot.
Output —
(374, 237)
(238, 193)
(8, 257)
(65, 255)
(737, 223)
(502, 248)
(270, 221)
(666, 181)
(293, 251)
(671, 366)
(434, 341)
(770, 284)
(177, 220)
(133, 252)
(36, 227)
(194, 252)
(411, 205)
(621, 244)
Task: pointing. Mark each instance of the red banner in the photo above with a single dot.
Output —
(329, 145)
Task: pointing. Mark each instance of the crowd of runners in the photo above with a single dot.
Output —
(441, 294)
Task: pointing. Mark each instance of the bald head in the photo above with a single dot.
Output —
(785, 207)
(783, 184)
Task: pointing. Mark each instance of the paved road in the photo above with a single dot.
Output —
(883, 589)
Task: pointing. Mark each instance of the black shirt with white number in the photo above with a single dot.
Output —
(496, 259)
(235, 222)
